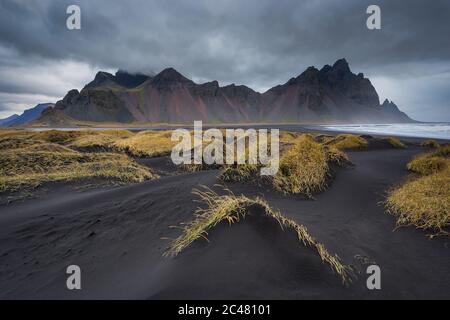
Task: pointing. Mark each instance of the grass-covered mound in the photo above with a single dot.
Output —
(141, 144)
(60, 136)
(428, 164)
(432, 162)
(430, 144)
(232, 209)
(336, 156)
(147, 144)
(424, 201)
(347, 142)
(245, 170)
(395, 143)
(31, 168)
(104, 140)
(287, 137)
(239, 173)
(72, 138)
(8, 132)
(95, 142)
(29, 159)
(442, 151)
(303, 168)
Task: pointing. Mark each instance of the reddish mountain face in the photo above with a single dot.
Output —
(170, 97)
(333, 93)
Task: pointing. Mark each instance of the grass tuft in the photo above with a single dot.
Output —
(60, 137)
(347, 142)
(424, 201)
(239, 173)
(428, 164)
(232, 209)
(117, 133)
(7, 133)
(147, 144)
(33, 168)
(303, 168)
(337, 156)
(30, 162)
(396, 143)
(430, 144)
(95, 142)
(442, 151)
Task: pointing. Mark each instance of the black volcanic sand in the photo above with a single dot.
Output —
(114, 235)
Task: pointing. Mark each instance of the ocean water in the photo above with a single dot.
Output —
(419, 130)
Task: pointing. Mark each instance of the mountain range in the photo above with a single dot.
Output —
(27, 116)
(331, 94)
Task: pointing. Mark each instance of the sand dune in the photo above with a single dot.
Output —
(114, 235)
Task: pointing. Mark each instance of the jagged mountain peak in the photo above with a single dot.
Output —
(310, 75)
(337, 72)
(129, 79)
(310, 70)
(234, 90)
(325, 69)
(214, 84)
(72, 93)
(333, 93)
(103, 75)
(121, 72)
(102, 78)
(389, 105)
(121, 78)
(342, 65)
(170, 74)
(237, 86)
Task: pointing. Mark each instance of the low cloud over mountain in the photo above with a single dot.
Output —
(333, 93)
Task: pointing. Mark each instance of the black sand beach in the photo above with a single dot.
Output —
(183, 151)
(115, 235)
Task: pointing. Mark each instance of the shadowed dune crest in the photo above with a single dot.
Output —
(231, 208)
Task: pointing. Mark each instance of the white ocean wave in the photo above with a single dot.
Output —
(419, 130)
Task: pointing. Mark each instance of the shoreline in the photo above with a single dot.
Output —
(305, 128)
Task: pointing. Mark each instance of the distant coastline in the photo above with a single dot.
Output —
(436, 130)
(432, 130)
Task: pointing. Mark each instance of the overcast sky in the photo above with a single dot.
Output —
(259, 43)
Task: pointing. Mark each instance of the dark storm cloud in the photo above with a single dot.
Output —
(259, 43)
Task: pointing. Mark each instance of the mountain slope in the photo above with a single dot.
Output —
(99, 100)
(27, 116)
(5, 121)
(170, 97)
(332, 94)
